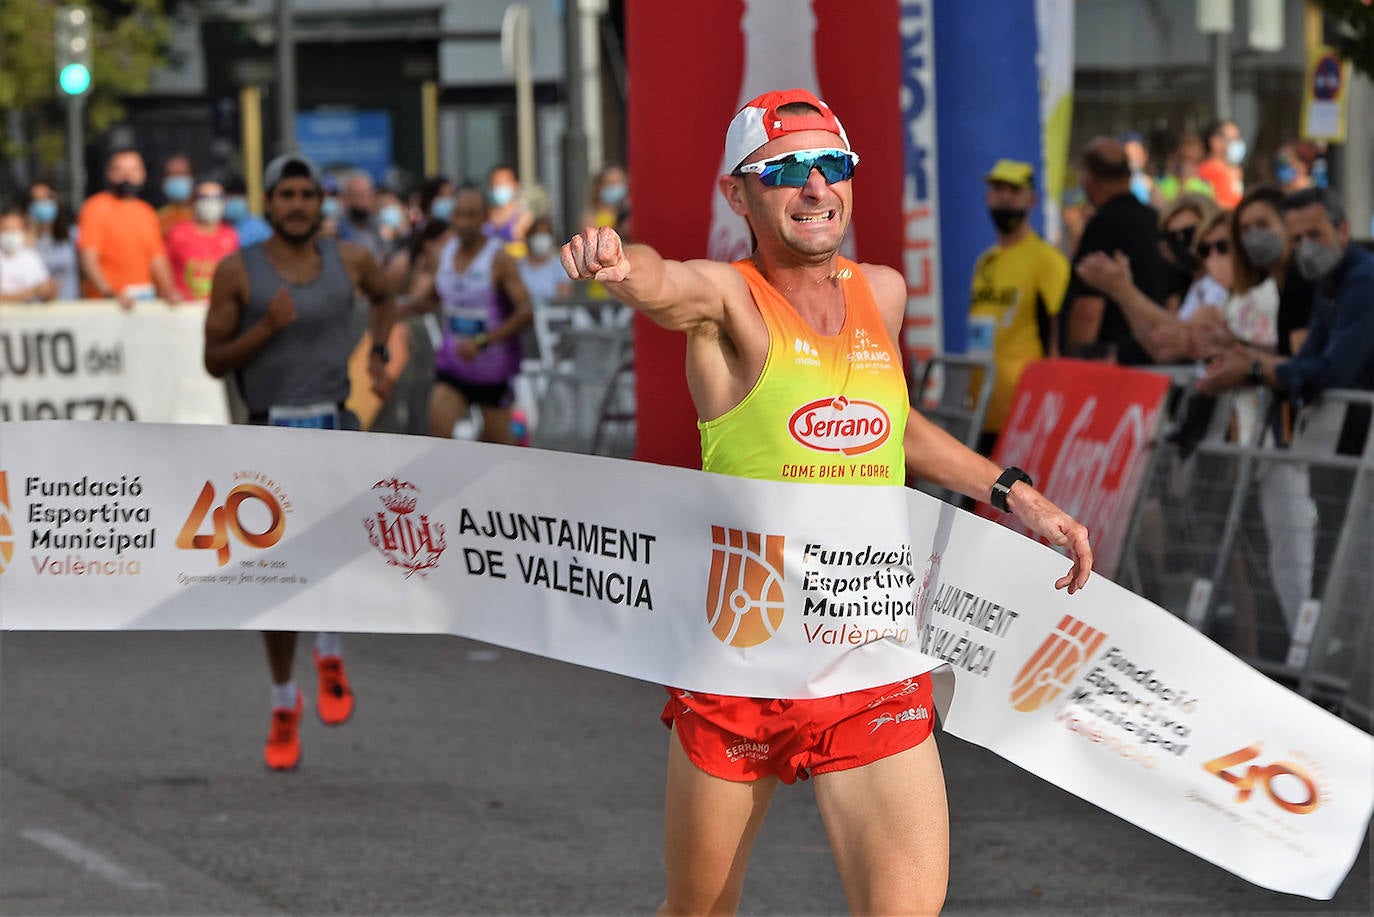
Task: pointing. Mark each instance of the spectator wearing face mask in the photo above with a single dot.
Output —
(509, 219)
(250, 227)
(23, 276)
(1221, 169)
(195, 247)
(435, 201)
(541, 270)
(1178, 224)
(54, 238)
(1199, 323)
(392, 224)
(1338, 349)
(607, 197)
(120, 241)
(178, 183)
(1018, 287)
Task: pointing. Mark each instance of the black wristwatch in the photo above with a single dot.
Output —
(381, 350)
(1004, 485)
(1256, 374)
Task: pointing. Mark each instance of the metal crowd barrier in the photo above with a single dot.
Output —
(1267, 548)
(582, 378)
(948, 390)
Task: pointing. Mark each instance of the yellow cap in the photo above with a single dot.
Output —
(1021, 174)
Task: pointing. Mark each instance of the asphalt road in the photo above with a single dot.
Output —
(471, 780)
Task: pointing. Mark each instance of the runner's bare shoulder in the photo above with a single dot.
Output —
(230, 273)
(888, 286)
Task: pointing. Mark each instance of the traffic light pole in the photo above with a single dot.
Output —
(76, 150)
(286, 79)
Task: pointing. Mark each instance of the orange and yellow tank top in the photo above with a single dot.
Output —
(825, 409)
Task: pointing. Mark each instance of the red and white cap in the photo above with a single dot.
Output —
(759, 122)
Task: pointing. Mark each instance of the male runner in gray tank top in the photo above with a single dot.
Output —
(280, 320)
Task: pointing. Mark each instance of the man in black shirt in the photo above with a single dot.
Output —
(1094, 325)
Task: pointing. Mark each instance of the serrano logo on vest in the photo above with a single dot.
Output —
(406, 541)
(840, 425)
(744, 601)
(1050, 669)
(6, 527)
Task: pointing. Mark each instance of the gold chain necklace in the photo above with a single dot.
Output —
(843, 273)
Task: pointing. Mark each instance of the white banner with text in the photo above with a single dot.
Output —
(695, 580)
(95, 361)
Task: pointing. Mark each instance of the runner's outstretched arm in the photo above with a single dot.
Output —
(679, 295)
(933, 454)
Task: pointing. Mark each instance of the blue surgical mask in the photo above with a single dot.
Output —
(501, 195)
(442, 209)
(611, 195)
(43, 211)
(1235, 151)
(1285, 173)
(177, 187)
(391, 216)
(235, 208)
(330, 207)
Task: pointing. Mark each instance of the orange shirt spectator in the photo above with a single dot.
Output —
(120, 242)
(125, 234)
(1226, 187)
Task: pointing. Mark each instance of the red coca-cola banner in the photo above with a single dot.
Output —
(1082, 431)
(691, 66)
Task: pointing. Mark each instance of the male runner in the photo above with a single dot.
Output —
(280, 318)
(879, 788)
(484, 308)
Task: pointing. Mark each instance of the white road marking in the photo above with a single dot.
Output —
(483, 655)
(102, 866)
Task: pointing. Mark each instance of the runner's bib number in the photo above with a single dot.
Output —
(322, 416)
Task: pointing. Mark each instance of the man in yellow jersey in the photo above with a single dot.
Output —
(1018, 287)
(780, 347)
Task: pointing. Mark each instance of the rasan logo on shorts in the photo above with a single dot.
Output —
(840, 425)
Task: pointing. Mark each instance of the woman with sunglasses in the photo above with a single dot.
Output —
(795, 327)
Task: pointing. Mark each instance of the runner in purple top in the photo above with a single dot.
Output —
(483, 308)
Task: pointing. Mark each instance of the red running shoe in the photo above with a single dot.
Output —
(283, 751)
(334, 702)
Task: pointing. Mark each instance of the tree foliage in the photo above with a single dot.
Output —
(1353, 35)
(128, 41)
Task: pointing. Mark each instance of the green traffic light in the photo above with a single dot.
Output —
(74, 79)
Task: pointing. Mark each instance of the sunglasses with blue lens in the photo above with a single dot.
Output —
(792, 170)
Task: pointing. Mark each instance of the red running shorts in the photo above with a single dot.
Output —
(745, 738)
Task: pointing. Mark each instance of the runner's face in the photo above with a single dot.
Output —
(469, 213)
(293, 208)
(810, 220)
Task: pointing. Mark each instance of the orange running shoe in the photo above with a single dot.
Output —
(283, 751)
(334, 702)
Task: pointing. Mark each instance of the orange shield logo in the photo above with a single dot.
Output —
(1050, 669)
(6, 528)
(744, 602)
